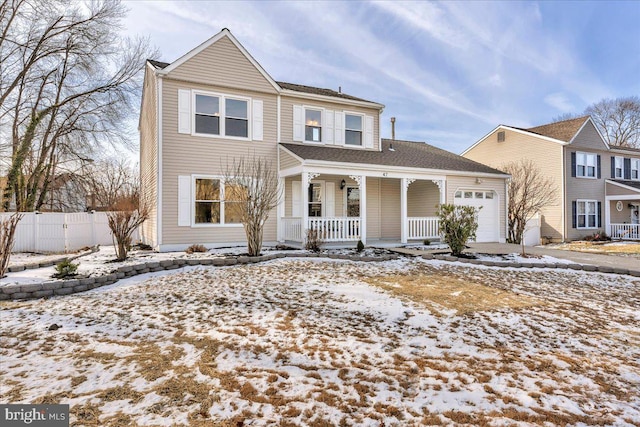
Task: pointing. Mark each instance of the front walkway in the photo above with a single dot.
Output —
(508, 248)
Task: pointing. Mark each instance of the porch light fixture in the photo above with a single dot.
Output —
(631, 206)
(343, 184)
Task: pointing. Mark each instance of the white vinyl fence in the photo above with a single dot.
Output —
(62, 232)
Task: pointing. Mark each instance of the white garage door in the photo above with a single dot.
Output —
(489, 216)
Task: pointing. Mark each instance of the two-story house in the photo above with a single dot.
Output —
(338, 176)
(598, 185)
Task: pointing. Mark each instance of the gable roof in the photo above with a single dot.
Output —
(405, 154)
(158, 64)
(563, 130)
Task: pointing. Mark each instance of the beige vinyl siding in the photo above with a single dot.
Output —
(390, 208)
(588, 138)
(222, 64)
(286, 108)
(184, 154)
(287, 160)
(455, 183)
(373, 208)
(579, 188)
(149, 157)
(422, 198)
(547, 156)
(616, 190)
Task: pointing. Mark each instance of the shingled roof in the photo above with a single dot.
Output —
(158, 64)
(564, 130)
(318, 91)
(405, 154)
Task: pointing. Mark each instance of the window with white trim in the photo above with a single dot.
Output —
(353, 129)
(618, 167)
(217, 203)
(221, 115)
(586, 214)
(635, 169)
(312, 125)
(586, 165)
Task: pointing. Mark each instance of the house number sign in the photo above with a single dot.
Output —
(619, 206)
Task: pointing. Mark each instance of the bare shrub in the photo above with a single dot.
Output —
(196, 248)
(123, 222)
(313, 241)
(7, 239)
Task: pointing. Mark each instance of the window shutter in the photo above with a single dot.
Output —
(599, 214)
(574, 210)
(296, 199)
(330, 199)
(257, 123)
(368, 132)
(573, 164)
(339, 128)
(184, 111)
(599, 167)
(184, 201)
(627, 168)
(298, 123)
(327, 127)
(613, 167)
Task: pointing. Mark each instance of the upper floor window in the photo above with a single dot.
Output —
(208, 114)
(353, 129)
(618, 170)
(312, 125)
(586, 165)
(221, 115)
(236, 118)
(635, 169)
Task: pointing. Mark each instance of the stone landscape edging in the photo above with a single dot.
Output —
(71, 286)
(34, 265)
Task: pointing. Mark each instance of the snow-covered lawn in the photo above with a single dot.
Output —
(319, 342)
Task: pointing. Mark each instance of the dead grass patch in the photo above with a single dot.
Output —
(451, 292)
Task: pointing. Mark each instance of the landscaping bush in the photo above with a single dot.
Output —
(598, 236)
(65, 268)
(458, 225)
(313, 242)
(360, 246)
(196, 248)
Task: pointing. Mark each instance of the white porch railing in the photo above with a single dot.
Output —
(291, 229)
(422, 227)
(625, 231)
(336, 229)
(339, 229)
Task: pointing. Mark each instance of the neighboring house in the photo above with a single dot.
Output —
(338, 176)
(598, 185)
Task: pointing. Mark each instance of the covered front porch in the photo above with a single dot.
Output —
(372, 206)
(622, 209)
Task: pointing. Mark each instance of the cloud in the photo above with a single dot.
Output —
(560, 102)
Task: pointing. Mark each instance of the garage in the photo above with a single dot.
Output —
(489, 215)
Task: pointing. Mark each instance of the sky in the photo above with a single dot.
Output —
(449, 71)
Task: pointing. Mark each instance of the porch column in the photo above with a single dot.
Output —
(440, 183)
(607, 216)
(404, 221)
(280, 209)
(304, 199)
(362, 183)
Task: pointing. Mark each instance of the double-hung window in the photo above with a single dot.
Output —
(221, 116)
(586, 214)
(635, 169)
(313, 125)
(217, 203)
(618, 170)
(586, 165)
(353, 129)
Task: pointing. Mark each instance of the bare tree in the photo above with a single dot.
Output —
(618, 120)
(108, 182)
(68, 81)
(529, 192)
(252, 182)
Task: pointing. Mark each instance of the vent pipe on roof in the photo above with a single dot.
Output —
(393, 133)
(339, 89)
